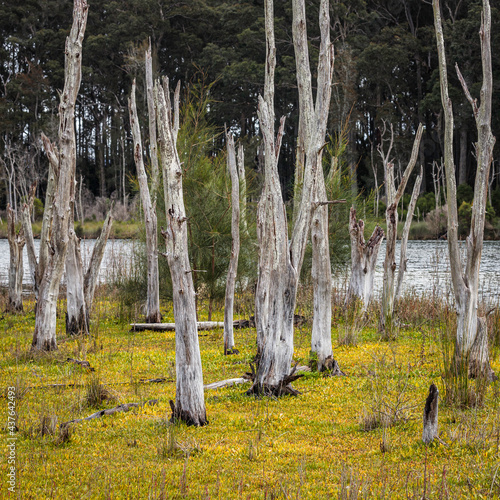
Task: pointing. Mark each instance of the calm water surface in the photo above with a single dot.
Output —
(428, 269)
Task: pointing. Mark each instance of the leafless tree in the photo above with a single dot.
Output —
(189, 400)
(54, 243)
(471, 351)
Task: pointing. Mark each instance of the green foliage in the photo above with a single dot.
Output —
(464, 217)
(425, 204)
(464, 193)
(38, 208)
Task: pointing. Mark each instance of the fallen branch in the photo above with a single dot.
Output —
(120, 408)
(162, 327)
(84, 364)
(227, 383)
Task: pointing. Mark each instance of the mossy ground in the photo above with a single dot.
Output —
(305, 447)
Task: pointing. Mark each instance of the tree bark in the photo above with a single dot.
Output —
(235, 246)
(391, 217)
(363, 260)
(153, 294)
(280, 261)
(90, 278)
(406, 232)
(16, 245)
(190, 404)
(470, 331)
(76, 309)
(430, 431)
(243, 188)
(64, 163)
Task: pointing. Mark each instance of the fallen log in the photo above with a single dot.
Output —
(120, 408)
(84, 364)
(167, 327)
(226, 383)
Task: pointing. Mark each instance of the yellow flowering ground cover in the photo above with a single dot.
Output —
(324, 443)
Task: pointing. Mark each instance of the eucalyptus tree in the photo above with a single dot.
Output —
(148, 202)
(280, 259)
(471, 349)
(234, 173)
(391, 217)
(63, 164)
(189, 403)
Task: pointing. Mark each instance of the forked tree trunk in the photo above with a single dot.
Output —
(391, 217)
(280, 261)
(76, 309)
(235, 246)
(363, 260)
(150, 221)
(189, 401)
(406, 232)
(80, 286)
(90, 278)
(16, 270)
(471, 350)
(63, 164)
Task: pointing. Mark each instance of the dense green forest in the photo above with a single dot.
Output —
(385, 69)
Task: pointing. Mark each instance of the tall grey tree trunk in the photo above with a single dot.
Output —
(235, 246)
(243, 188)
(280, 260)
(391, 217)
(153, 293)
(81, 286)
(90, 278)
(471, 352)
(189, 401)
(406, 232)
(16, 245)
(63, 162)
(363, 260)
(76, 309)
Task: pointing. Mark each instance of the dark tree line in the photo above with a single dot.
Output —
(385, 69)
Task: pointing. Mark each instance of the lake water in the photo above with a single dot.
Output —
(428, 269)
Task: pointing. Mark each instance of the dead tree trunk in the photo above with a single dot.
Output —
(76, 309)
(391, 217)
(81, 287)
(430, 431)
(243, 188)
(64, 163)
(363, 260)
(280, 260)
(190, 404)
(90, 278)
(315, 131)
(406, 232)
(16, 245)
(471, 352)
(153, 294)
(235, 246)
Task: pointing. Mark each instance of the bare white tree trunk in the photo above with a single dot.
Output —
(64, 163)
(235, 246)
(153, 143)
(90, 278)
(363, 260)
(80, 287)
(243, 188)
(76, 309)
(189, 402)
(279, 260)
(472, 344)
(406, 232)
(16, 245)
(153, 294)
(391, 217)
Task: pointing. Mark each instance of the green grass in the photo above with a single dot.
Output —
(304, 447)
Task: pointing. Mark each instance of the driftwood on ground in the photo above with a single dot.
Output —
(120, 408)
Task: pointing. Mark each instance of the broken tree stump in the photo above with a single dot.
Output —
(431, 416)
